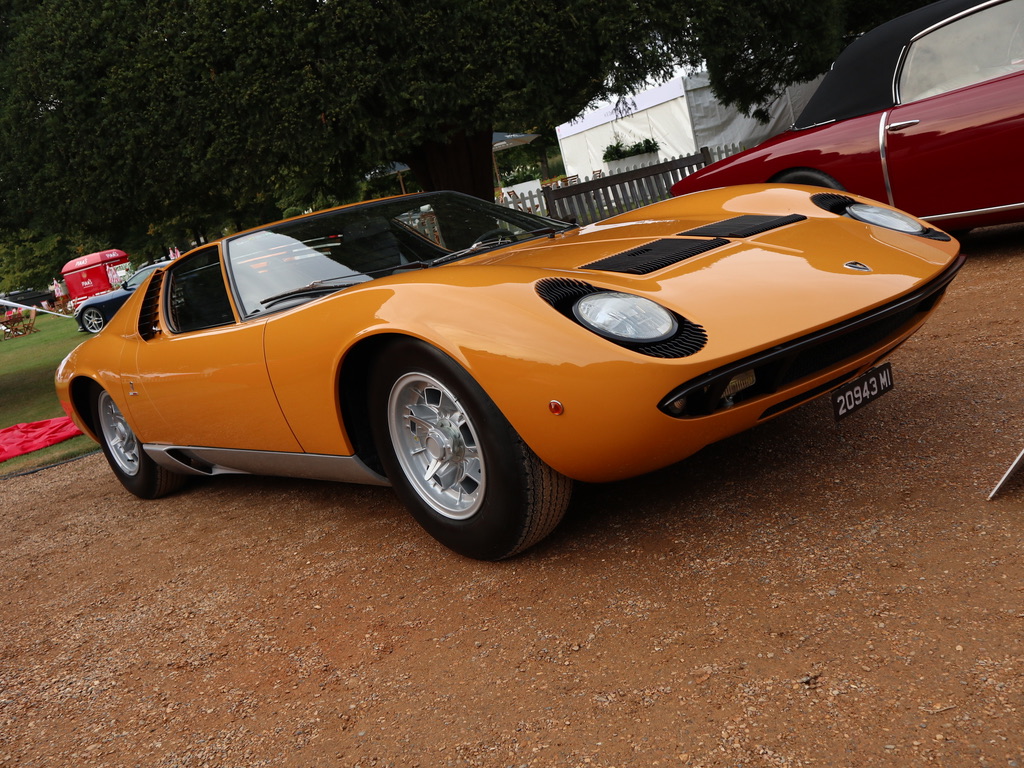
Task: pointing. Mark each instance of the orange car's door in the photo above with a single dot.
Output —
(202, 379)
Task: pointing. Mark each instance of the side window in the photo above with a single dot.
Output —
(979, 47)
(196, 295)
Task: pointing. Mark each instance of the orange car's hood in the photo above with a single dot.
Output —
(778, 284)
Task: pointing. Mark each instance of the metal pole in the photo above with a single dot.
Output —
(1013, 468)
(37, 309)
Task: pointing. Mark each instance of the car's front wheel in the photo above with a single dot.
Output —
(455, 461)
(92, 320)
(136, 471)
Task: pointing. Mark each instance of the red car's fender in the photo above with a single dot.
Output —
(847, 152)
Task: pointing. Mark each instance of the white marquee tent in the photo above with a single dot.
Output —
(682, 115)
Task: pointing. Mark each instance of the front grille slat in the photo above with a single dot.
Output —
(777, 368)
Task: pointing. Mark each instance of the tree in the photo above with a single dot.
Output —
(32, 260)
(754, 49)
(143, 119)
(431, 80)
(174, 121)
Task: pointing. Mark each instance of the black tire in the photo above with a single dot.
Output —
(92, 320)
(455, 461)
(809, 176)
(130, 464)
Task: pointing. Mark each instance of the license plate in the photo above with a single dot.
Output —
(862, 390)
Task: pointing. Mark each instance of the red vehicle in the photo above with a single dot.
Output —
(925, 112)
(91, 274)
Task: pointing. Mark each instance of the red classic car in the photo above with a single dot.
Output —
(925, 112)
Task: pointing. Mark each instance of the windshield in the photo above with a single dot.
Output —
(323, 252)
(133, 282)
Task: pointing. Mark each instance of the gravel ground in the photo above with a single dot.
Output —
(808, 593)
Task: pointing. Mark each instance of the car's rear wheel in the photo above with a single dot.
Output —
(92, 320)
(809, 176)
(136, 471)
(455, 461)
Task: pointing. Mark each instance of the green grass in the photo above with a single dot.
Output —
(27, 365)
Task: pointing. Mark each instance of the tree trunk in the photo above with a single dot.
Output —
(464, 164)
(545, 172)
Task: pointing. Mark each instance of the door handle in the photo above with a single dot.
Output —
(893, 127)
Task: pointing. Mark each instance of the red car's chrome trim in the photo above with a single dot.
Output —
(944, 22)
(894, 127)
(796, 129)
(883, 119)
(975, 212)
(897, 73)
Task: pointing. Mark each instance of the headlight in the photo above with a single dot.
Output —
(624, 317)
(885, 217)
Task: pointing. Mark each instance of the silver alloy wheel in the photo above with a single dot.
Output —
(124, 447)
(92, 319)
(436, 444)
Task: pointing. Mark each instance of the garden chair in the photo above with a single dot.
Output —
(29, 325)
(12, 325)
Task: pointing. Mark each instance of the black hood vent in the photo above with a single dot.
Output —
(653, 256)
(744, 226)
(832, 202)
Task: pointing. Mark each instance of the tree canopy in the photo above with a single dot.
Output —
(146, 123)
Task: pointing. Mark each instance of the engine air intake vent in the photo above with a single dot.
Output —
(149, 315)
(655, 255)
(744, 226)
(563, 293)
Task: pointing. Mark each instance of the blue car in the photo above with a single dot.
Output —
(95, 312)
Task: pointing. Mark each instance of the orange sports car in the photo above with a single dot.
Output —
(479, 359)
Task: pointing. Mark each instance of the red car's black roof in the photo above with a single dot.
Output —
(861, 79)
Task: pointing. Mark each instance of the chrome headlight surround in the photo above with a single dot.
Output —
(625, 318)
(886, 218)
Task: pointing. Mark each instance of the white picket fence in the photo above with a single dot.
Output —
(593, 198)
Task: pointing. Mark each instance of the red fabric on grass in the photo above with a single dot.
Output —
(25, 438)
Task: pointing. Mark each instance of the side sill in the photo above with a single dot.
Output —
(191, 460)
